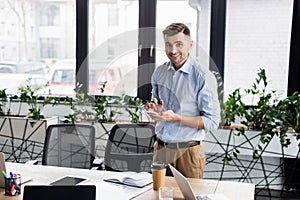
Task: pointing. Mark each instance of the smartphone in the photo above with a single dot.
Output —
(69, 180)
(150, 101)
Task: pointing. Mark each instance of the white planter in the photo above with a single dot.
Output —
(265, 172)
(22, 138)
(102, 134)
(247, 142)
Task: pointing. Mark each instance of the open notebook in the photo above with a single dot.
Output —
(135, 179)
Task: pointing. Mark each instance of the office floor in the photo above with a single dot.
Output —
(276, 194)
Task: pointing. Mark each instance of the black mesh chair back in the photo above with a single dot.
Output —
(69, 145)
(130, 148)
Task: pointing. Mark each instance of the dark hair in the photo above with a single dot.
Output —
(176, 28)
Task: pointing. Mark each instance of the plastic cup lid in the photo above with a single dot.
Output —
(158, 165)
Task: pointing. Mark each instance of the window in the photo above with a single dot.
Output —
(2, 27)
(110, 75)
(49, 47)
(64, 76)
(113, 44)
(113, 15)
(169, 12)
(255, 40)
(50, 15)
(111, 48)
(35, 31)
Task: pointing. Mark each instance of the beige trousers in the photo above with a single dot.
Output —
(189, 161)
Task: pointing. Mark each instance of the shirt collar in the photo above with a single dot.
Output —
(186, 67)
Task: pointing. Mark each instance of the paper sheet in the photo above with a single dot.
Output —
(108, 191)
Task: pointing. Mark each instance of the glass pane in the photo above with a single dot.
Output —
(169, 12)
(254, 39)
(34, 35)
(113, 42)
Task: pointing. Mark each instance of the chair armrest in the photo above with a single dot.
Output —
(32, 162)
(98, 164)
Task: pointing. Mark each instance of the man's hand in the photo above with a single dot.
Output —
(154, 106)
(166, 116)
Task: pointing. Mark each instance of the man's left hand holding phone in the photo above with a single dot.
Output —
(154, 107)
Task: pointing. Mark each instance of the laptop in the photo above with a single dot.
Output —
(24, 179)
(59, 192)
(187, 190)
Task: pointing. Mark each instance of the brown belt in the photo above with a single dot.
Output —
(178, 144)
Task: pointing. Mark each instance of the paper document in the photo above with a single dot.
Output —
(108, 191)
(216, 196)
(25, 179)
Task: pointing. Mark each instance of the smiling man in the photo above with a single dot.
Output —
(185, 105)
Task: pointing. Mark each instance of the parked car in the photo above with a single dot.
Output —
(61, 79)
(11, 82)
(7, 68)
(23, 67)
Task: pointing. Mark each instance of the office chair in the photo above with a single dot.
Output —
(69, 145)
(130, 148)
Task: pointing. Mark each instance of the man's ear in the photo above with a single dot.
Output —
(191, 43)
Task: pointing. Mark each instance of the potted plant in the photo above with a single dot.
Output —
(291, 105)
(4, 99)
(265, 115)
(103, 109)
(35, 102)
(135, 107)
(87, 108)
(80, 107)
(255, 139)
(27, 95)
(5, 110)
(25, 133)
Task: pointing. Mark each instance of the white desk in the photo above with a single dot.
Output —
(46, 174)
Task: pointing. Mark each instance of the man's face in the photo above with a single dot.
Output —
(177, 48)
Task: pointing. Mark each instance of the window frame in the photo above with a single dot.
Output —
(147, 18)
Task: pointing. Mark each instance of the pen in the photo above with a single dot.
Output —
(13, 177)
(4, 174)
(12, 188)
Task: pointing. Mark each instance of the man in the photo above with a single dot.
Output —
(184, 104)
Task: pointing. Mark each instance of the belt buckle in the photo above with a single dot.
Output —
(165, 144)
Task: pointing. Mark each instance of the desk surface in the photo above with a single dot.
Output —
(46, 174)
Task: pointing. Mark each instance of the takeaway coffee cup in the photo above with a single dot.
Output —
(158, 174)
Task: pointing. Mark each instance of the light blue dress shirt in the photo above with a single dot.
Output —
(189, 91)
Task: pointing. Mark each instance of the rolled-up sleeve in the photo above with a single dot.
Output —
(208, 102)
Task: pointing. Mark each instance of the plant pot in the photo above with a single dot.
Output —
(22, 138)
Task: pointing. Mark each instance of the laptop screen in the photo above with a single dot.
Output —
(183, 184)
(65, 192)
